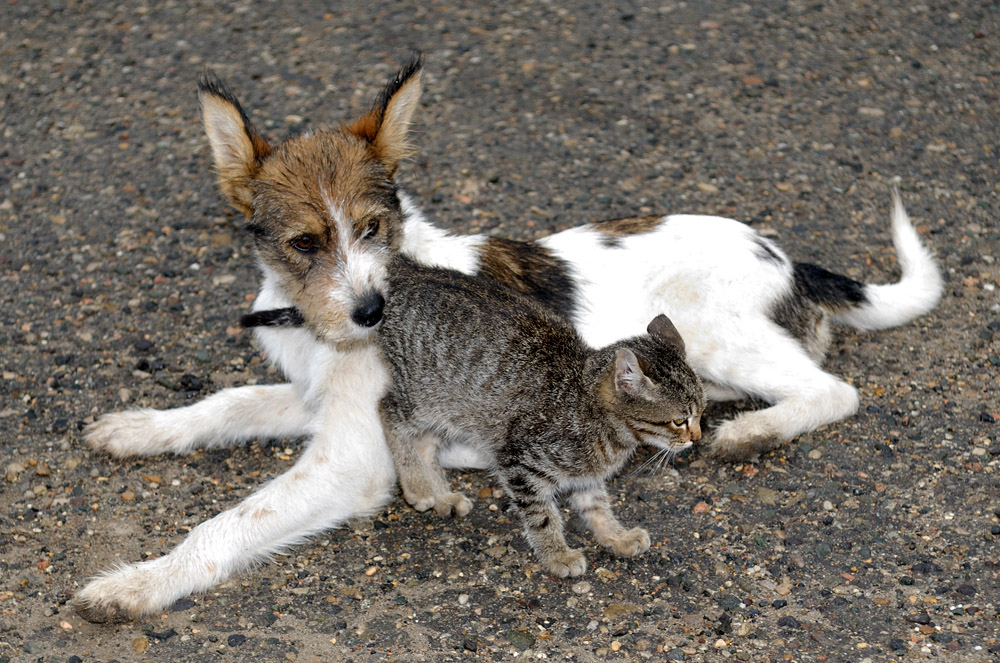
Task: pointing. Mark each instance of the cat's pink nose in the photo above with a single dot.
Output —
(695, 428)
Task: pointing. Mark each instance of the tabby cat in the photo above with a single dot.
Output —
(472, 360)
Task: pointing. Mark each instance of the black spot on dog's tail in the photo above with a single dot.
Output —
(832, 291)
(275, 317)
(815, 295)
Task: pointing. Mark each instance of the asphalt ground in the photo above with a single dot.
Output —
(124, 275)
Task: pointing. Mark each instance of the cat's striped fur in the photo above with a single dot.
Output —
(473, 361)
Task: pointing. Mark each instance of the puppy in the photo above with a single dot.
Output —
(326, 216)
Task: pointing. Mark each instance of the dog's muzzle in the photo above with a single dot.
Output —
(369, 312)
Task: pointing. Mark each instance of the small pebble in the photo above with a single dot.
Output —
(789, 622)
(966, 590)
(582, 587)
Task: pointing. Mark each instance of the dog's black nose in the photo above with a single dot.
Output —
(369, 312)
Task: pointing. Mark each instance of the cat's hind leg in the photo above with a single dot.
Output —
(414, 454)
(803, 396)
(593, 506)
(446, 501)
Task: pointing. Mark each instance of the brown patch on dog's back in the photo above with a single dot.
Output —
(614, 230)
(531, 270)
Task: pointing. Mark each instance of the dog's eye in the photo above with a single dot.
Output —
(304, 244)
(371, 229)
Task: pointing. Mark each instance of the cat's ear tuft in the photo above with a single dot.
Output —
(662, 328)
(629, 378)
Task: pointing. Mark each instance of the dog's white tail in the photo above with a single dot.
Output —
(915, 294)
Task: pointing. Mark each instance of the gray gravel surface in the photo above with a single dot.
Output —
(123, 275)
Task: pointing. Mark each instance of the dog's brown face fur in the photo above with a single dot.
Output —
(322, 206)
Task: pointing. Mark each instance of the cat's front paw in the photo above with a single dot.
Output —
(452, 504)
(569, 563)
(631, 543)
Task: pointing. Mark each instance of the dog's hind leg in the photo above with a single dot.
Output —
(345, 472)
(231, 416)
(803, 396)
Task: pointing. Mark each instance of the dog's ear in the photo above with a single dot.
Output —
(386, 125)
(237, 148)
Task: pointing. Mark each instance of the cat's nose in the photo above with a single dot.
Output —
(695, 428)
(369, 312)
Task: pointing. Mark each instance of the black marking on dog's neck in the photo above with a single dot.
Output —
(531, 270)
(766, 252)
(275, 317)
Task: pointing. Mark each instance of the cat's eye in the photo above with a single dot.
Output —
(371, 229)
(304, 244)
(680, 423)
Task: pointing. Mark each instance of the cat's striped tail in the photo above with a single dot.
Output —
(916, 292)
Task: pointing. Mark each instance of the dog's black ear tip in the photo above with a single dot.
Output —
(410, 67)
(209, 83)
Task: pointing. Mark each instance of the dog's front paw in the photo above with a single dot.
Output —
(125, 434)
(633, 542)
(452, 504)
(568, 563)
(118, 595)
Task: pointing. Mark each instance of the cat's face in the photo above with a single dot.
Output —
(655, 391)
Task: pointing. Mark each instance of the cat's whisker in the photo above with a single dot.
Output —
(654, 463)
(667, 458)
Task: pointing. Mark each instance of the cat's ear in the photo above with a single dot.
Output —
(662, 328)
(629, 378)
